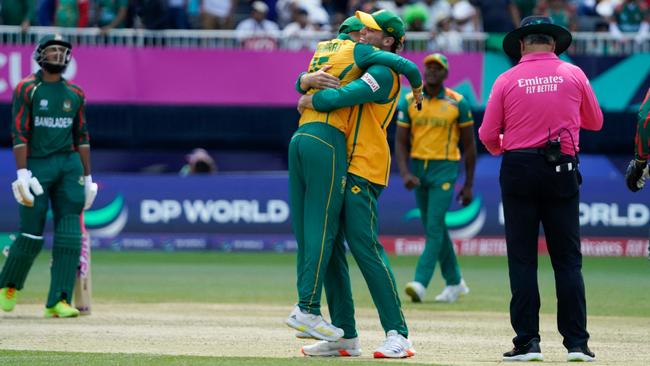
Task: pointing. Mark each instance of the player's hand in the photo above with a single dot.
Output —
(465, 196)
(90, 191)
(410, 181)
(320, 79)
(635, 175)
(417, 94)
(21, 188)
(304, 102)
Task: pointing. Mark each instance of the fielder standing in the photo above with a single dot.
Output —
(539, 106)
(52, 152)
(430, 137)
(634, 175)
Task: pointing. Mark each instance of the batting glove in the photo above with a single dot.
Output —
(21, 188)
(90, 190)
(635, 175)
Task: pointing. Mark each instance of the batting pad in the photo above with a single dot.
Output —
(65, 259)
(20, 260)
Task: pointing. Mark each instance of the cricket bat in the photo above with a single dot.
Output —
(83, 286)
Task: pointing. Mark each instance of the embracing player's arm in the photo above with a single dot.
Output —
(373, 86)
(366, 55)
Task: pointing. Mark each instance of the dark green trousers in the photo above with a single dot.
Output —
(61, 176)
(433, 196)
(317, 167)
(360, 228)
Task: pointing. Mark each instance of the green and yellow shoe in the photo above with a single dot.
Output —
(61, 310)
(8, 298)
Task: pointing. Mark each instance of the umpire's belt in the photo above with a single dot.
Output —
(533, 150)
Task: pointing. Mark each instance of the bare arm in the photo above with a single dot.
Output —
(20, 154)
(402, 148)
(469, 149)
(84, 154)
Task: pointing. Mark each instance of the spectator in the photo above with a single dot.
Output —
(395, 6)
(560, 11)
(194, 13)
(199, 161)
(526, 7)
(630, 17)
(177, 14)
(299, 34)
(437, 9)
(498, 16)
(448, 39)
(466, 17)
(218, 14)
(416, 18)
(45, 10)
(111, 14)
(66, 13)
(18, 12)
(257, 32)
(152, 13)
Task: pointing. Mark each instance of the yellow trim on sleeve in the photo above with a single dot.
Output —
(403, 124)
(465, 124)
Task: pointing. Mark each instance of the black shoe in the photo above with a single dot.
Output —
(581, 354)
(529, 352)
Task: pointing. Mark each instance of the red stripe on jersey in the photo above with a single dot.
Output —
(19, 116)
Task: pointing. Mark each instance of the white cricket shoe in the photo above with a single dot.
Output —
(395, 346)
(451, 293)
(304, 335)
(341, 348)
(314, 325)
(416, 291)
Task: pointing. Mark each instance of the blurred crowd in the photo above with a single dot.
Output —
(264, 22)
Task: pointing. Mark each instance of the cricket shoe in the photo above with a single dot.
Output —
(314, 325)
(8, 298)
(451, 293)
(341, 348)
(416, 291)
(395, 346)
(580, 354)
(304, 335)
(529, 352)
(61, 310)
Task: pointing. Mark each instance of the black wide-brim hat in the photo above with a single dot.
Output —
(533, 25)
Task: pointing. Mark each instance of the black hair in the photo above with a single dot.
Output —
(538, 38)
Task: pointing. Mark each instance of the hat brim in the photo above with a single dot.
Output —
(368, 20)
(432, 58)
(562, 38)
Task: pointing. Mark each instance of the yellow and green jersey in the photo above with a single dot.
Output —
(48, 117)
(348, 60)
(435, 129)
(374, 97)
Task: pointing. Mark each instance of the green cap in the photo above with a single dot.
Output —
(383, 20)
(52, 39)
(351, 24)
(438, 58)
(415, 12)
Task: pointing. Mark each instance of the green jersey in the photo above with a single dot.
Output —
(14, 12)
(49, 117)
(108, 10)
(66, 14)
(642, 139)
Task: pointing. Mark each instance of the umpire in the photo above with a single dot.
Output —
(533, 116)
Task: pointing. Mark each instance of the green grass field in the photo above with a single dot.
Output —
(615, 287)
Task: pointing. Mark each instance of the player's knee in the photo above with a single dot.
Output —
(69, 225)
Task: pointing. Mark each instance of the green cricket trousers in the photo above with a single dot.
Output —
(433, 196)
(360, 228)
(61, 175)
(317, 167)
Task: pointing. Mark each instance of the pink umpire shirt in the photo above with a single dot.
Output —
(540, 94)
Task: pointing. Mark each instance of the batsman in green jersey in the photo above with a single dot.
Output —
(52, 152)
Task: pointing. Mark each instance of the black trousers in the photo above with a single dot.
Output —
(533, 192)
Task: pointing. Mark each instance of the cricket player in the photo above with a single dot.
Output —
(317, 169)
(374, 97)
(634, 175)
(52, 152)
(430, 137)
